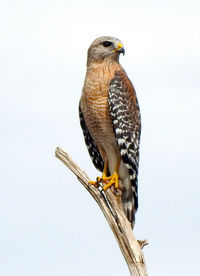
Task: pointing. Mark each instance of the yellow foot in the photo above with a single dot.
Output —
(108, 180)
(96, 183)
(103, 179)
(112, 180)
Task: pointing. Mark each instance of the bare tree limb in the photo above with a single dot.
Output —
(111, 206)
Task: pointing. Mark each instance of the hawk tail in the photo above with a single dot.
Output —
(130, 199)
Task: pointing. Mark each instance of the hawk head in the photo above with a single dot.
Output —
(105, 48)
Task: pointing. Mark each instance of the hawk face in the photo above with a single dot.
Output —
(105, 47)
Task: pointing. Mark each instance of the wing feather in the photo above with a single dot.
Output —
(127, 124)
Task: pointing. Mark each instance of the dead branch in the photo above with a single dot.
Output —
(110, 204)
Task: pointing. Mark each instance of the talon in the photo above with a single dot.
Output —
(95, 183)
(99, 179)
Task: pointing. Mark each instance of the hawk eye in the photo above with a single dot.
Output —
(107, 43)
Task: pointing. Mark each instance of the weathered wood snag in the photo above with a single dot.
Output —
(111, 206)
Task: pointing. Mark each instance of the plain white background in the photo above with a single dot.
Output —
(49, 225)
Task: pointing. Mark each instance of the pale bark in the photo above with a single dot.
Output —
(110, 204)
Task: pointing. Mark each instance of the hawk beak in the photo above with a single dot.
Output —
(120, 49)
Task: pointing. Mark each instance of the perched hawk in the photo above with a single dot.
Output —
(110, 120)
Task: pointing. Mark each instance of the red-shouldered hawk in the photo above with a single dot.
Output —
(110, 120)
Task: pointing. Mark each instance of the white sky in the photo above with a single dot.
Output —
(49, 224)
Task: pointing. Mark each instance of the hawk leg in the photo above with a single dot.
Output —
(108, 180)
(113, 179)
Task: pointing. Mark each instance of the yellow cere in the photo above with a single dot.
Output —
(119, 46)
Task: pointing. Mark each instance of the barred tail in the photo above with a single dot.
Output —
(129, 200)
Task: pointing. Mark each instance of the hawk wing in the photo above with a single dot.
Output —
(91, 146)
(127, 125)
